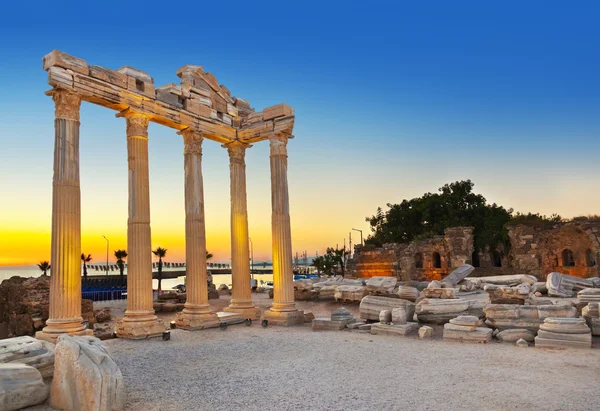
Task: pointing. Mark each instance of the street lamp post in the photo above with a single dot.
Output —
(251, 258)
(107, 243)
(361, 238)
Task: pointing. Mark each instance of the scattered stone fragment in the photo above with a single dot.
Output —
(464, 328)
(408, 293)
(381, 285)
(103, 331)
(342, 314)
(394, 329)
(21, 386)
(349, 293)
(564, 332)
(399, 315)
(447, 293)
(425, 332)
(562, 285)
(458, 275)
(355, 326)
(522, 343)
(589, 295)
(591, 314)
(507, 316)
(385, 316)
(29, 351)
(103, 315)
(515, 334)
(440, 311)
(365, 327)
(371, 306)
(508, 280)
(86, 376)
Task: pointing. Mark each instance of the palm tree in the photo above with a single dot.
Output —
(208, 255)
(121, 254)
(44, 266)
(85, 260)
(160, 253)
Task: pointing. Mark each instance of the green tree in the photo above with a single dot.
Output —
(44, 266)
(121, 254)
(208, 255)
(85, 260)
(338, 257)
(454, 205)
(160, 253)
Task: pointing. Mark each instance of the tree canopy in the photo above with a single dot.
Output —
(454, 205)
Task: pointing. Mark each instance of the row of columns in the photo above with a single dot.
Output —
(140, 320)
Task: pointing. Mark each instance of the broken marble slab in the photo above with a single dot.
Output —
(589, 295)
(563, 285)
(381, 285)
(445, 293)
(458, 275)
(371, 306)
(29, 351)
(479, 335)
(508, 280)
(515, 334)
(394, 329)
(440, 311)
(591, 314)
(408, 293)
(349, 293)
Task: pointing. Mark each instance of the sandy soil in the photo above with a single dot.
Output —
(275, 368)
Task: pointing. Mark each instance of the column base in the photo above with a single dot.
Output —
(51, 337)
(253, 313)
(284, 318)
(134, 329)
(194, 321)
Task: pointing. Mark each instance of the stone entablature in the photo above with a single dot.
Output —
(198, 103)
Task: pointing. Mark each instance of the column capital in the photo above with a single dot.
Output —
(237, 152)
(278, 143)
(192, 141)
(66, 103)
(137, 123)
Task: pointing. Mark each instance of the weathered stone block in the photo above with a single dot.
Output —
(59, 59)
(108, 75)
(394, 329)
(21, 386)
(29, 351)
(86, 376)
(279, 110)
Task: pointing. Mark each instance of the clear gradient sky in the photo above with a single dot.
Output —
(392, 99)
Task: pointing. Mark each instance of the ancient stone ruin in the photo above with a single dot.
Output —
(198, 109)
(569, 248)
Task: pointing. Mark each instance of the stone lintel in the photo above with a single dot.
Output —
(136, 73)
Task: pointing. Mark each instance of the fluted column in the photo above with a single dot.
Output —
(196, 313)
(283, 311)
(139, 321)
(241, 298)
(65, 257)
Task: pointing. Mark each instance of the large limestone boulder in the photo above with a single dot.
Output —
(29, 351)
(86, 377)
(21, 386)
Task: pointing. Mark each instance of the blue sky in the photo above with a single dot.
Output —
(392, 99)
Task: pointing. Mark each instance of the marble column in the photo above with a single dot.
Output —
(139, 321)
(283, 311)
(196, 314)
(241, 298)
(65, 256)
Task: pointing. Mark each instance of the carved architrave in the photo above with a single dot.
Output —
(278, 144)
(237, 152)
(192, 141)
(137, 124)
(66, 104)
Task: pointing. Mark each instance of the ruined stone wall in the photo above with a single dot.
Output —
(437, 256)
(539, 251)
(24, 305)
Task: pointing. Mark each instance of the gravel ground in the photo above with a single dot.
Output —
(277, 368)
